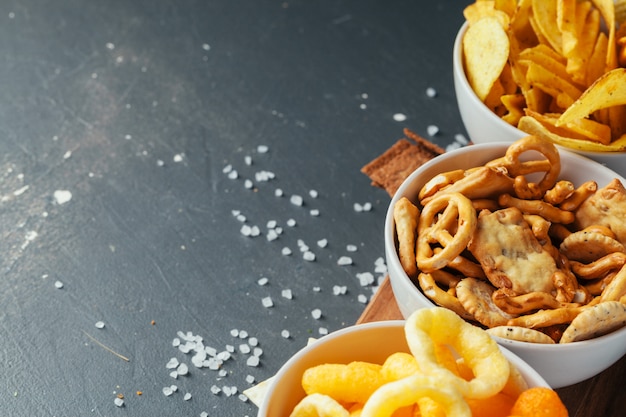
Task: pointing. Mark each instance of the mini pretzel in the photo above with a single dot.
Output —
(546, 210)
(545, 318)
(479, 182)
(579, 195)
(522, 304)
(551, 166)
(561, 190)
(600, 267)
(485, 204)
(457, 216)
(616, 289)
(539, 226)
(466, 267)
(405, 216)
(596, 286)
(565, 284)
(428, 284)
(439, 182)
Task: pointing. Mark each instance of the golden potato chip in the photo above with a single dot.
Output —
(607, 10)
(584, 129)
(544, 13)
(561, 89)
(595, 64)
(486, 51)
(566, 22)
(481, 9)
(606, 91)
(514, 104)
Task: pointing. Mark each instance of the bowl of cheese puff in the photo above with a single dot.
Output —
(396, 366)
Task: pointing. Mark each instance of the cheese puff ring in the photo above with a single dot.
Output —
(522, 304)
(545, 318)
(480, 182)
(546, 210)
(435, 228)
(551, 166)
(579, 195)
(599, 268)
(428, 284)
(439, 182)
(405, 216)
(428, 327)
(319, 405)
(437, 386)
(561, 190)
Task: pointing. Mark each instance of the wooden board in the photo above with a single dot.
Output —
(603, 395)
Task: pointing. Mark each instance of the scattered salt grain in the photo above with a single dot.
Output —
(172, 363)
(286, 251)
(204, 414)
(317, 289)
(187, 397)
(228, 168)
(459, 137)
(263, 281)
(314, 212)
(431, 92)
(323, 331)
(365, 278)
(362, 299)
(316, 314)
(432, 130)
(248, 184)
(215, 389)
(322, 243)
(339, 289)
(233, 175)
(178, 157)
(399, 117)
(285, 334)
(243, 334)
(174, 374)
(287, 294)
(344, 260)
(262, 149)
(234, 333)
(308, 256)
(62, 196)
(253, 341)
(278, 192)
(247, 160)
(100, 324)
(244, 348)
(176, 343)
(206, 46)
(296, 200)
(243, 398)
(267, 302)
(182, 369)
(271, 224)
(351, 248)
(313, 193)
(291, 223)
(118, 402)
(271, 235)
(250, 379)
(58, 284)
(167, 391)
(253, 361)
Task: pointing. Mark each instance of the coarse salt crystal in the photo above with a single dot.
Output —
(118, 402)
(244, 348)
(316, 314)
(172, 363)
(351, 248)
(263, 281)
(431, 92)
(267, 302)
(248, 184)
(287, 294)
(339, 289)
(233, 175)
(271, 235)
(323, 331)
(241, 218)
(344, 260)
(291, 223)
(314, 212)
(286, 251)
(365, 278)
(362, 299)
(278, 192)
(285, 334)
(262, 149)
(182, 369)
(58, 284)
(271, 224)
(243, 398)
(317, 289)
(234, 332)
(167, 391)
(308, 256)
(215, 389)
(100, 324)
(399, 117)
(250, 379)
(247, 160)
(253, 361)
(459, 137)
(296, 200)
(253, 341)
(432, 130)
(313, 193)
(243, 334)
(62, 196)
(187, 397)
(174, 374)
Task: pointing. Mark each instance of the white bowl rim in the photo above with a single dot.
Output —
(389, 238)
(459, 69)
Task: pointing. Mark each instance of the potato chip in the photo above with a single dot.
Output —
(606, 91)
(486, 51)
(545, 16)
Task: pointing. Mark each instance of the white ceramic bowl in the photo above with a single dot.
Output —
(483, 125)
(560, 365)
(371, 342)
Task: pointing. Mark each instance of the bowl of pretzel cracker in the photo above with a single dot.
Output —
(398, 367)
(553, 69)
(524, 240)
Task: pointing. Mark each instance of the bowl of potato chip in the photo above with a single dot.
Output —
(524, 239)
(553, 69)
(433, 361)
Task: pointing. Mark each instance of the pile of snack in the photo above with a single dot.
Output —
(553, 68)
(453, 369)
(541, 262)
